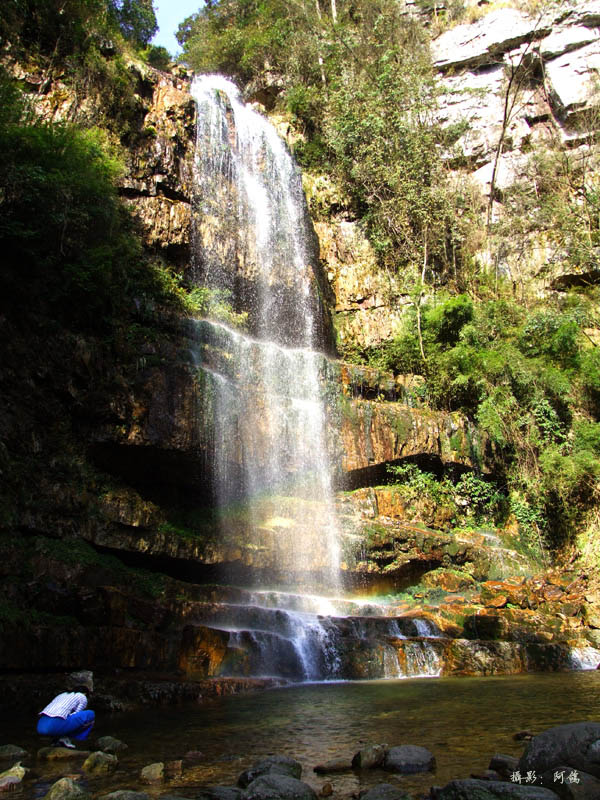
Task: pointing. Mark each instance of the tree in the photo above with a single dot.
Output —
(136, 19)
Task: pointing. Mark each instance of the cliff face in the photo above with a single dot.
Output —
(522, 86)
(158, 145)
(513, 88)
(124, 467)
(134, 445)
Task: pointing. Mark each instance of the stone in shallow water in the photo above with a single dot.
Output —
(334, 765)
(279, 765)
(176, 797)
(16, 771)
(193, 757)
(576, 744)
(108, 744)
(60, 754)
(383, 791)
(368, 757)
(218, 793)
(174, 769)
(504, 765)
(472, 789)
(572, 784)
(100, 763)
(153, 773)
(409, 758)
(278, 787)
(8, 751)
(9, 783)
(66, 789)
(125, 794)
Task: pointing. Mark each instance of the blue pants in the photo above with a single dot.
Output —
(78, 725)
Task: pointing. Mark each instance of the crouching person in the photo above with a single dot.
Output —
(68, 715)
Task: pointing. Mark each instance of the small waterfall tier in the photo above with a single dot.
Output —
(302, 637)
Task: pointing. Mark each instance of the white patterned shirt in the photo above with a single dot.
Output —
(65, 704)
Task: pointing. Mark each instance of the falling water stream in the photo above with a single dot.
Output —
(264, 399)
(253, 242)
(268, 448)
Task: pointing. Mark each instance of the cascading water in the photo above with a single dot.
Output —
(263, 390)
(269, 451)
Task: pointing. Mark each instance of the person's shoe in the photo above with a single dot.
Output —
(66, 742)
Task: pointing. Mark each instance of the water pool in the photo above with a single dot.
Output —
(462, 720)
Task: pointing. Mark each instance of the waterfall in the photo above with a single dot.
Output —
(264, 397)
(265, 429)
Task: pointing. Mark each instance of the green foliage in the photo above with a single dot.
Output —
(480, 498)
(39, 27)
(69, 246)
(157, 56)
(79, 553)
(530, 380)
(530, 514)
(446, 320)
(417, 483)
(237, 37)
(474, 499)
(136, 19)
(215, 303)
(11, 616)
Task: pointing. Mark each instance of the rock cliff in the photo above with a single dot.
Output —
(512, 87)
(114, 535)
(520, 86)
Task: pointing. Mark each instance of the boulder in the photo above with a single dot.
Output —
(564, 38)
(505, 766)
(193, 757)
(570, 784)
(218, 793)
(82, 677)
(12, 751)
(153, 773)
(60, 754)
(471, 789)
(174, 769)
(274, 786)
(100, 763)
(16, 771)
(173, 797)
(125, 794)
(108, 744)
(409, 758)
(334, 765)
(571, 78)
(487, 775)
(484, 41)
(576, 744)
(370, 756)
(278, 765)
(66, 789)
(383, 791)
